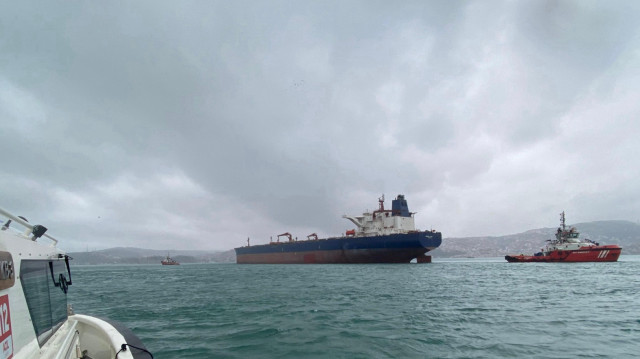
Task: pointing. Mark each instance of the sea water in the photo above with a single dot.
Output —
(475, 308)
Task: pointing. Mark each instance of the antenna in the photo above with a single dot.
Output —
(381, 201)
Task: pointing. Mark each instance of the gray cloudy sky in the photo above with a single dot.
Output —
(197, 124)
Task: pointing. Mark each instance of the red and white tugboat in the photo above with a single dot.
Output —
(169, 261)
(568, 247)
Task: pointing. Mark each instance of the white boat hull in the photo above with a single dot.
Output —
(35, 321)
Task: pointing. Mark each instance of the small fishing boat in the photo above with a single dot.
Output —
(169, 261)
(35, 320)
(569, 247)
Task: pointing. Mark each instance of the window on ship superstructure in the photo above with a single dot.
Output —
(47, 303)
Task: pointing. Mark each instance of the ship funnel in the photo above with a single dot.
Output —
(399, 207)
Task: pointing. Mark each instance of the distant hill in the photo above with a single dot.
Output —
(130, 255)
(623, 233)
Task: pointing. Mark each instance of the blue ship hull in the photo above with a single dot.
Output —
(393, 248)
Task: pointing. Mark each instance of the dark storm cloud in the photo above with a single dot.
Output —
(152, 124)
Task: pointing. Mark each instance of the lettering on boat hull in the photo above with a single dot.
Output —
(7, 271)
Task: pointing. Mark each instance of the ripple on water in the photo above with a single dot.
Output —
(452, 309)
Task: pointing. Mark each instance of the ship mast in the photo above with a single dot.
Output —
(562, 221)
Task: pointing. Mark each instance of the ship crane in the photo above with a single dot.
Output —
(359, 220)
(312, 236)
(356, 220)
(285, 234)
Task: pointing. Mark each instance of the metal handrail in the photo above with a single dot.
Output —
(26, 224)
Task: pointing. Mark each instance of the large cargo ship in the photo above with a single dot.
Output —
(569, 247)
(383, 236)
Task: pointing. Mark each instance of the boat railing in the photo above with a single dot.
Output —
(35, 229)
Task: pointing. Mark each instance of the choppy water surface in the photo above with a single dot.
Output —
(446, 309)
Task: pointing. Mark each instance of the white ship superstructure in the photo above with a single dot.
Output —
(396, 220)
